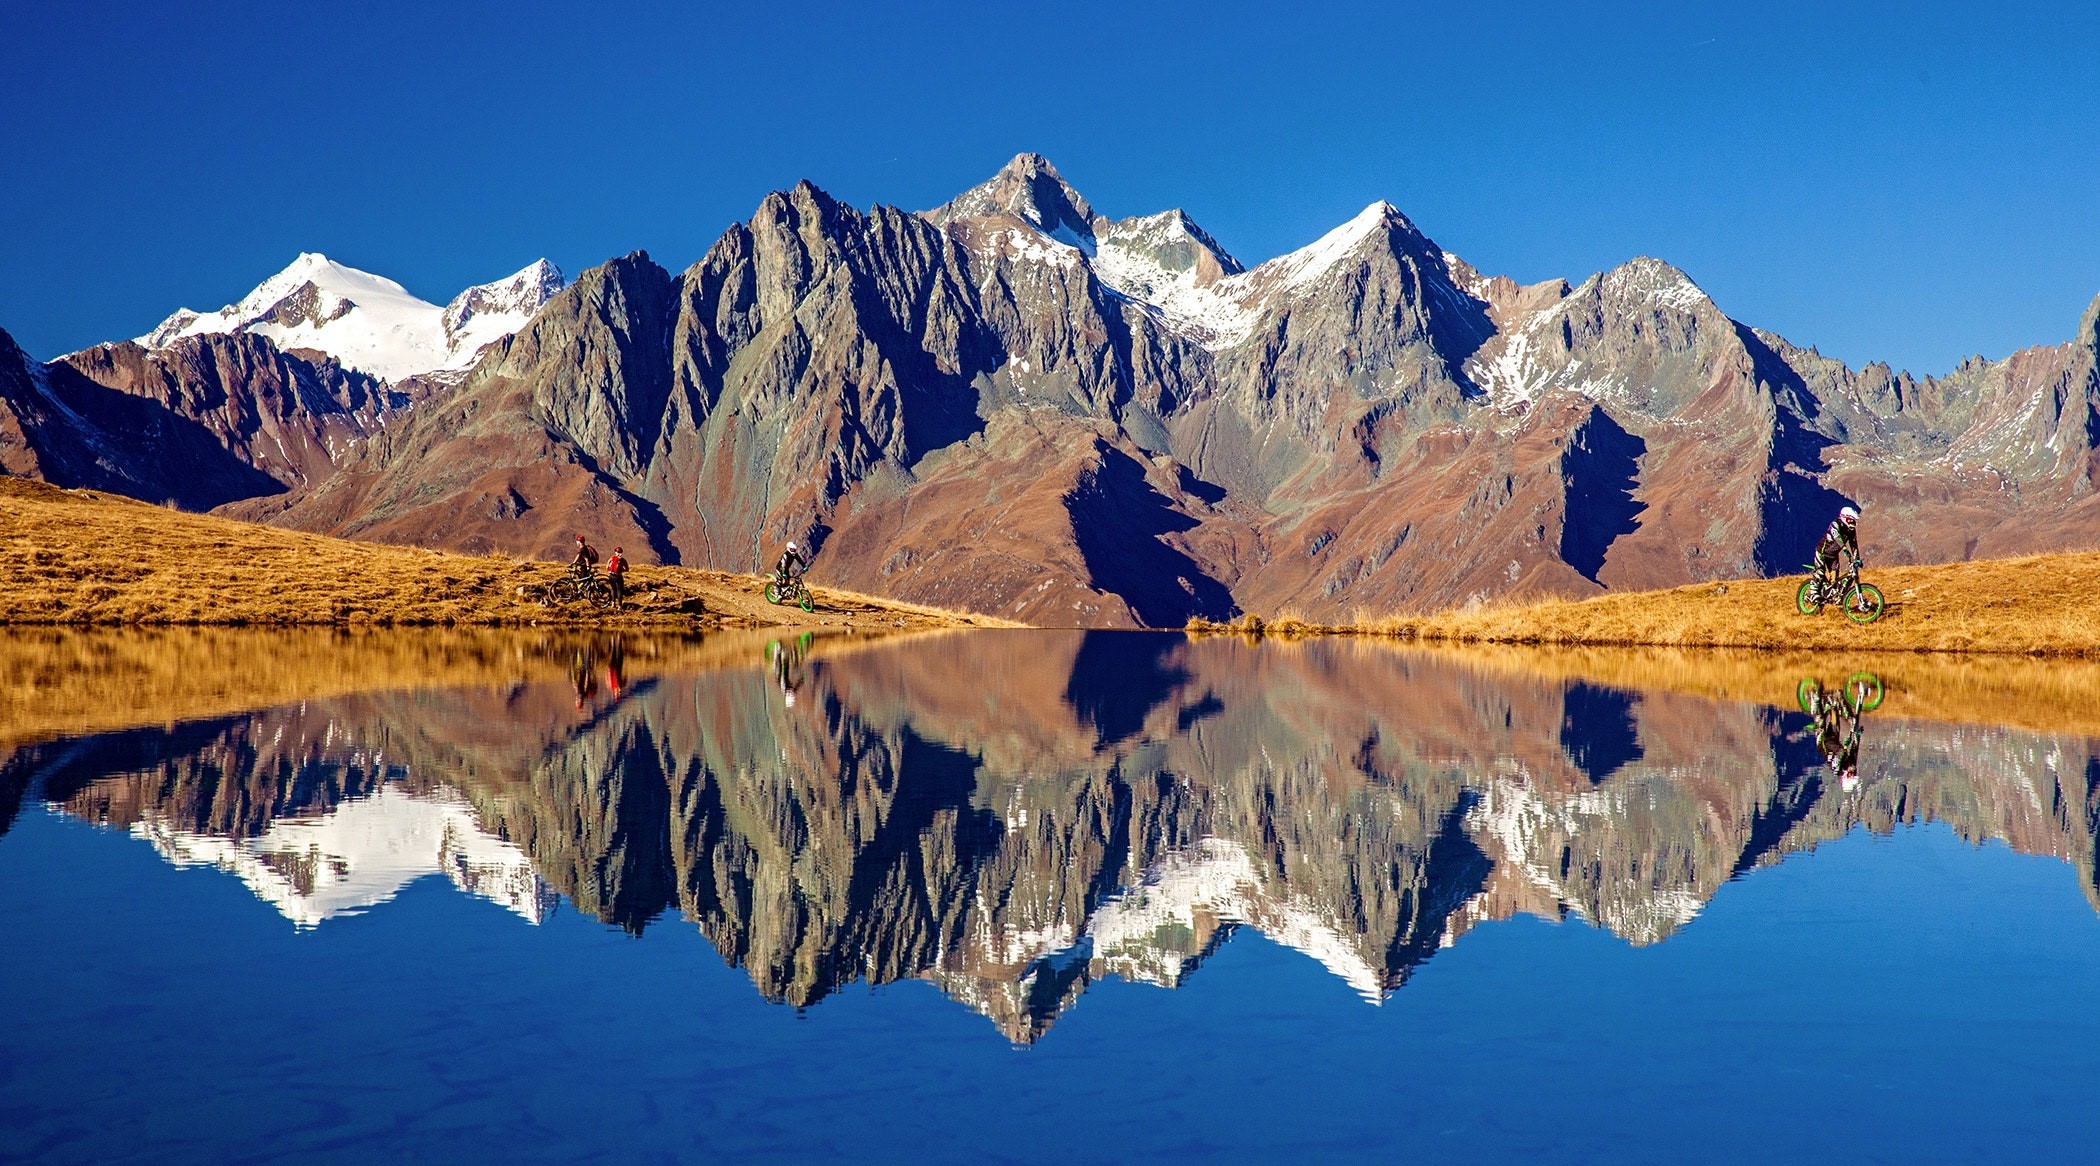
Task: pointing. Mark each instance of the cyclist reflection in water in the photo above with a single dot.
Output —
(1837, 716)
(583, 675)
(786, 661)
(616, 668)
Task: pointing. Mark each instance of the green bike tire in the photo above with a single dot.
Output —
(772, 593)
(1806, 601)
(1865, 690)
(809, 602)
(1864, 604)
(1805, 695)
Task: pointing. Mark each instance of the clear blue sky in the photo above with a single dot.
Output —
(1909, 182)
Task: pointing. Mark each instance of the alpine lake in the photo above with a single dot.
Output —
(1025, 896)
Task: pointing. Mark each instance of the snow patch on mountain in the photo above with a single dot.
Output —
(1308, 264)
(1655, 282)
(1223, 310)
(368, 322)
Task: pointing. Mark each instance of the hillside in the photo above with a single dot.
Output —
(2033, 605)
(79, 557)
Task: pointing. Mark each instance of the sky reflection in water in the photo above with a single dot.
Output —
(404, 922)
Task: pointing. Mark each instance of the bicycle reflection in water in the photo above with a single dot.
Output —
(1836, 715)
(786, 663)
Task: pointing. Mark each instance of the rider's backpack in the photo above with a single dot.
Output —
(617, 565)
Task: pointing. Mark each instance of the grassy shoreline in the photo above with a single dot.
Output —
(2035, 605)
(81, 558)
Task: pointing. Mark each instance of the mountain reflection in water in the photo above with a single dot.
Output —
(1012, 816)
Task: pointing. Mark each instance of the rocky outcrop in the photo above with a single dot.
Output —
(208, 420)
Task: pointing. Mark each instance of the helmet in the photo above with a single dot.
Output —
(790, 698)
(618, 551)
(1849, 516)
(791, 544)
(579, 538)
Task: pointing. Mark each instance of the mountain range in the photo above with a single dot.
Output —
(1016, 405)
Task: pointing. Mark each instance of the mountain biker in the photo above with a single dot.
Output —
(586, 559)
(792, 564)
(1843, 535)
(616, 574)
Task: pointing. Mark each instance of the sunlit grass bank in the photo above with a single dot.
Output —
(80, 557)
(2035, 605)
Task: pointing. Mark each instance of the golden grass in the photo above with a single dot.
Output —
(80, 557)
(2034, 605)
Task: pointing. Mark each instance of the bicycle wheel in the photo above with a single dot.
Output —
(1864, 603)
(1805, 695)
(1808, 600)
(772, 593)
(808, 601)
(1865, 690)
(598, 593)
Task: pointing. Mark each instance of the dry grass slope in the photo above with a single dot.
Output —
(80, 557)
(2040, 605)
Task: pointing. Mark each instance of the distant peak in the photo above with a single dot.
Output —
(1648, 278)
(1029, 188)
(1028, 163)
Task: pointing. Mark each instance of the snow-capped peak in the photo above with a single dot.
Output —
(1653, 281)
(1308, 263)
(369, 322)
(491, 311)
(1218, 304)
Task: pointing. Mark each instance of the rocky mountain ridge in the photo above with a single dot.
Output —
(1016, 405)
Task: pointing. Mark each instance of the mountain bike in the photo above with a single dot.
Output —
(1861, 693)
(789, 589)
(1862, 601)
(580, 585)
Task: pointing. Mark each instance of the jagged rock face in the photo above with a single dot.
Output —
(207, 420)
(1015, 404)
(1996, 458)
(1082, 806)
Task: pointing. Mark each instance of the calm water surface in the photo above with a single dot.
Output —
(1048, 896)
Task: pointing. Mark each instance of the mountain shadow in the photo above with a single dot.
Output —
(140, 448)
(1794, 506)
(1119, 520)
(1600, 469)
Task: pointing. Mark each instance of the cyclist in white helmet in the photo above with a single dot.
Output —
(1843, 536)
(792, 564)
